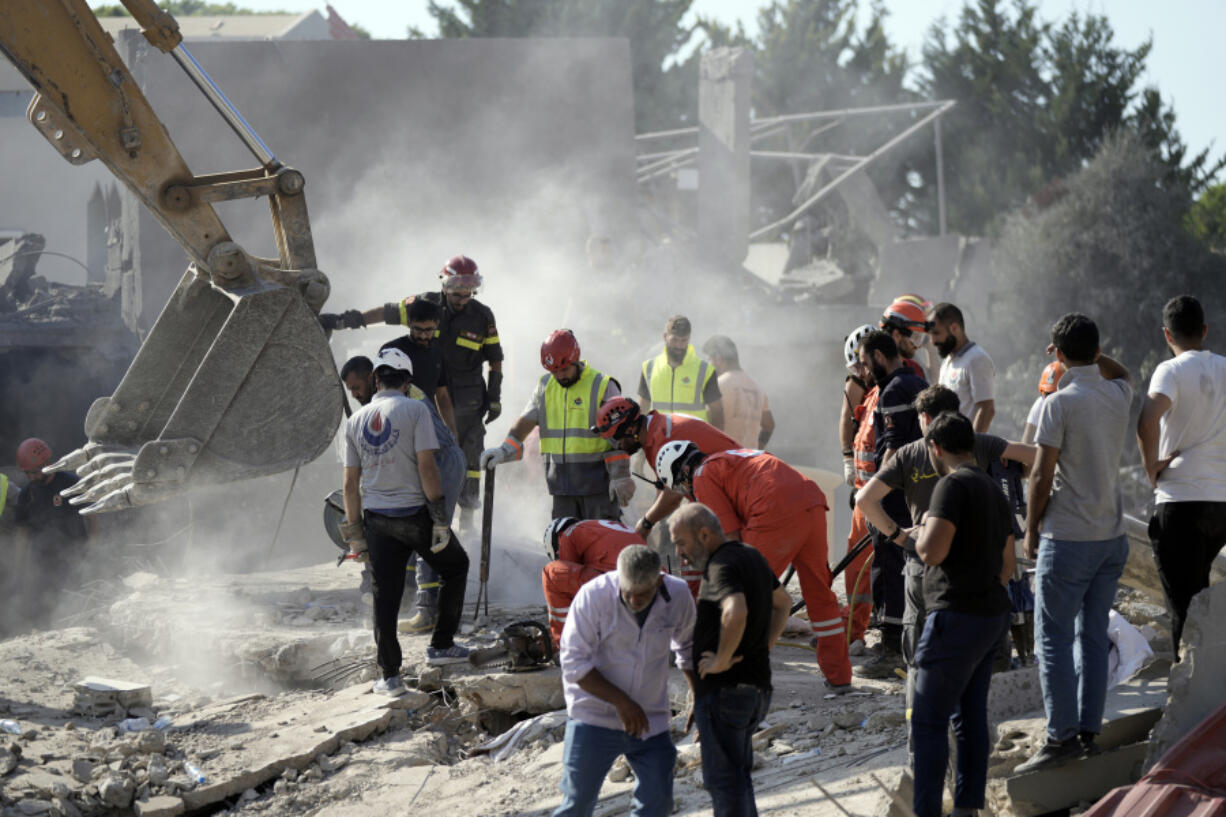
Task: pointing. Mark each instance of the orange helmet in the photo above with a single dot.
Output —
(615, 418)
(460, 272)
(559, 350)
(1050, 377)
(905, 314)
(33, 454)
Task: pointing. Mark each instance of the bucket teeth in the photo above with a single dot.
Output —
(75, 459)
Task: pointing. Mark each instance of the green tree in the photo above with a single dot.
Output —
(1207, 219)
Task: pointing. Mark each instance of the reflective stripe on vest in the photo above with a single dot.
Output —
(566, 416)
(678, 390)
(4, 492)
(864, 444)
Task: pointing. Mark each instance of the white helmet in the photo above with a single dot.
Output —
(671, 457)
(852, 342)
(553, 530)
(393, 358)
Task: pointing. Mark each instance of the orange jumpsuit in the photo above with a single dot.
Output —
(782, 514)
(585, 550)
(856, 579)
(665, 428)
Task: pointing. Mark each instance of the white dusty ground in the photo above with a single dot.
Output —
(230, 661)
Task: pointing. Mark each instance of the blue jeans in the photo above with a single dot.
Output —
(726, 720)
(589, 752)
(1074, 587)
(953, 674)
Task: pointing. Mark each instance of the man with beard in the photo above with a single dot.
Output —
(678, 381)
(468, 339)
(620, 421)
(895, 423)
(429, 366)
(587, 477)
(965, 366)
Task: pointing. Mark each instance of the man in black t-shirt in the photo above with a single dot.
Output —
(741, 612)
(966, 541)
(429, 367)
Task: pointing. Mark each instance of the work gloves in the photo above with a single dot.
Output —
(349, 319)
(849, 471)
(621, 490)
(440, 531)
(510, 451)
(353, 534)
(493, 397)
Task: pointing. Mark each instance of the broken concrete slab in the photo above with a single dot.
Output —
(1079, 781)
(163, 806)
(1013, 693)
(279, 740)
(103, 697)
(531, 692)
(1196, 681)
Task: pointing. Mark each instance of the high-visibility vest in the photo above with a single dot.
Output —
(864, 444)
(574, 456)
(4, 492)
(679, 390)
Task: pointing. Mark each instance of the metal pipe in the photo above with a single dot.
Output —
(936, 126)
(663, 134)
(846, 174)
(806, 117)
(807, 157)
(647, 157)
(214, 94)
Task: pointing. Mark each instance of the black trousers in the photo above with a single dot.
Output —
(392, 539)
(1186, 536)
(470, 434)
(889, 595)
(587, 506)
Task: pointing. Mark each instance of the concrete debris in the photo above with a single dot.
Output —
(620, 770)
(162, 806)
(34, 807)
(847, 719)
(530, 692)
(1195, 682)
(8, 761)
(1083, 780)
(116, 791)
(82, 769)
(522, 733)
(104, 697)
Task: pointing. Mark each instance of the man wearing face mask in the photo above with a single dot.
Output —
(895, 423)
(677, 381)
(587, 477)
(965, 366)
(468, 338)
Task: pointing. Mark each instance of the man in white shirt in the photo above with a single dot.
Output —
(965, 366)
(614, 652)
(1182, 436)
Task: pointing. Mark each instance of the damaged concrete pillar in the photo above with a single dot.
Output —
(724, 89)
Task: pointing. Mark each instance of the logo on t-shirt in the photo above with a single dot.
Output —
(378, 434)
(57, 500)
(685, 379)
(578, 401)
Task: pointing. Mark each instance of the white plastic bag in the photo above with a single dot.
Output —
(1129, 650)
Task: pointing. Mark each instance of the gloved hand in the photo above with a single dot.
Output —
(493, 396)
(329, 321)
(353, 534)
(440, 537)
(493, 412)
(352, 319)
(849, 471)
(509, 451)
(621, 490)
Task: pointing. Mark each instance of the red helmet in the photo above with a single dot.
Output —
(460, 272)
(905, 314)
(559, 350)
(615, 418)
(33, 454)
(1050, 377)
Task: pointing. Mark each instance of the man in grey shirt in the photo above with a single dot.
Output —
(392, 485)
(1075, 528)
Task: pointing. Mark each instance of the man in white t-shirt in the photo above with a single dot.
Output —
(747, 413)
(1182, 437)
(965, 366)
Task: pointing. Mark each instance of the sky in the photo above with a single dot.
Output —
(1185, 34)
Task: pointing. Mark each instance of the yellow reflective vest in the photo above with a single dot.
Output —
(679, 390)
(574, 456)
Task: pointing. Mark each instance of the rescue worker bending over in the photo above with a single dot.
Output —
(762, 501)
(579, 550)
(587, 477)
(678, 381)
(468, 338)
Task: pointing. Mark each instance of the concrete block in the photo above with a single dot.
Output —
(923, 265)
(163, 806)
(1195, 684)
(1014, 693)
(531, 692)
(1081, 780)
(100, 697)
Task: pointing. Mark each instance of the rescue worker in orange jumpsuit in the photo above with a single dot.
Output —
(856, 436)
(621, 421)
(580, 551)
(764, 502)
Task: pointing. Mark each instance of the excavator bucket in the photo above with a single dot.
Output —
(228, 385)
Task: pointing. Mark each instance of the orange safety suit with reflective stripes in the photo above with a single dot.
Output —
(585, 550)
(774, 508)
(856, 580)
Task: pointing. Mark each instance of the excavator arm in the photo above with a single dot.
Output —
(236, 378)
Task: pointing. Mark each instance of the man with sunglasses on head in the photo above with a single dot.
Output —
(468, 339)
